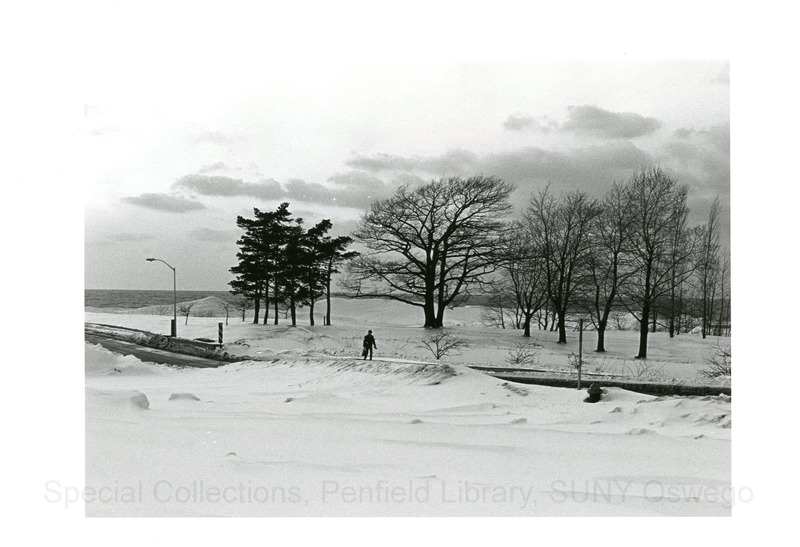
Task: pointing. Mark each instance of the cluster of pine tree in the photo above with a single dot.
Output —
(283, 264)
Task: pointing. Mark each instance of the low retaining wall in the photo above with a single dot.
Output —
(649, 388)
(185, 346)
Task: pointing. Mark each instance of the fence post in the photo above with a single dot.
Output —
(219, 329)
(580, 350)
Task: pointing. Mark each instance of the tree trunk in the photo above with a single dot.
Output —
(644, 324)
(327, 320)
(601, 339)
(562, 329)
(430, 309)
(723, 270)
(266, 302)
(601, 336)
(672, 307)
(440, 316)
(430, 316)
(256, 306)
(311, 313)
(275, 302)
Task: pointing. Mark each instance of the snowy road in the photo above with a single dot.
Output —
(151, 355)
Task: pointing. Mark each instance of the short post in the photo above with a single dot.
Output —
(580, 350)
(219, 329)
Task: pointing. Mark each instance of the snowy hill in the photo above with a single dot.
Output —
(311, 429)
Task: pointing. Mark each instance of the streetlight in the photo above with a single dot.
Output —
(175, 297)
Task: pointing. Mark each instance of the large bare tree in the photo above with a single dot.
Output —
(561, 231)
(523, 274)
(428, 244)
(608, 263)
(658, 206)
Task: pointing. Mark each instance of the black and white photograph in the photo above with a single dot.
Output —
(469, 289)
(408, 260)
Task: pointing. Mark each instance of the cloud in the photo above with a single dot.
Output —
(356, 188)
(346, 189)
(383, 162)
(525, 166)
(408, 179)
(221, 186)
(356, 179)
(128, 237)
(588, 167)
(164, 202)
(213, 236)
(519, 122)
(717, 137)
(596, 122)
(452, 162)
(702, 159)
(211, 167)
(305, 191)
(349, 190)
(112, 239)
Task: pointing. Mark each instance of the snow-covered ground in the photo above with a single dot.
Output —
(310, 429)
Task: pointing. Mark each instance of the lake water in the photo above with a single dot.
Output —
(131, 299)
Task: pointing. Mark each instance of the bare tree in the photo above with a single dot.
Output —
(227, 305)
(242, 304)
(523, 355)
(620, 320)
(682, 261)
(658, 206)
(185, 310)
(607, 260)
(725, 264)
(430, 243)
(499, 307)
(440, 343)
(561, 229)
(523, 273)
(719, 363)
(708, 264)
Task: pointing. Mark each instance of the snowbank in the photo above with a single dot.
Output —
(331, 436)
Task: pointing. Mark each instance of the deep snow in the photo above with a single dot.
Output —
(309, 429)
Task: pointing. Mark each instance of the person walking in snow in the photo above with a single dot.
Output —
(369, 343)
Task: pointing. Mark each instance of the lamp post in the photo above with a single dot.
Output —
(174, 329)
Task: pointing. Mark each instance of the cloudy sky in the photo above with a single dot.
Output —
(182, 137)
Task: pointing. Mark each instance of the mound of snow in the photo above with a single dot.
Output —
(139, 400)
(102, 362)
(210, 306)
(104, 401)
(416, 372)
(183, 397)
